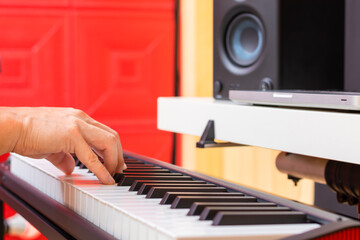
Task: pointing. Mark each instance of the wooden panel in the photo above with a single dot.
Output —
(249, 166)
(34, 52)
(125, 61)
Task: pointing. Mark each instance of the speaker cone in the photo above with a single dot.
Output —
(245, 39)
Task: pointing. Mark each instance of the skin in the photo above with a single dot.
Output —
(56, 133)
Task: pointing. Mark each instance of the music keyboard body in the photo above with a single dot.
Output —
(125, 214)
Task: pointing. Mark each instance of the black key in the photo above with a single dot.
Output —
(149, 174)
(119, 176)
(145, 188)
(197, 207)
(143, 167)
(129, 179)
(129, 166)
(138, 183)
(77, 162)
(144, 170)
(169, 197)
(186, 201)
(210, 212)
(159, 192)
(132, 161)
(251, 218)
(82, 166)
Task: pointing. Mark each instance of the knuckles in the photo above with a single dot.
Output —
(72, 128)
(76, 112)
(112, 138)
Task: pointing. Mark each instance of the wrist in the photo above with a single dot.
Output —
(10, 129)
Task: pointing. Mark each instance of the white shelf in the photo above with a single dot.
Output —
(325, 134)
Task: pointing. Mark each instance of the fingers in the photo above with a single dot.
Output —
(63, 161)
(91, 161)
(120, 159)
(103, 142)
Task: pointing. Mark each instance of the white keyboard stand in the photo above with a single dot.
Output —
(320, 133)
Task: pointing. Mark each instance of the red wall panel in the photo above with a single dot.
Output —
(122, 70)
(34, 53)
(167, 5)
(110, 58)
(35, 3)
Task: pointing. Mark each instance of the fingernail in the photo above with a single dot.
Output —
(124, 167)
(110, 180)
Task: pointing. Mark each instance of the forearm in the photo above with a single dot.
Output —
(10, 126)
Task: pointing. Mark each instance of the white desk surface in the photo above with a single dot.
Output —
(326, 134)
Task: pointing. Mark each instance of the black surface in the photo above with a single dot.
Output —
(209, 212)
(143, 167)
(197, 207)
(138, 183)
(207, 136)
(145, 188)
(128, 180)
(186, 201)
(131, 165)
(130, 161)
(144, 170)
(169, 197)
(312, 44)
(325, 198)
(159, 192)
(124, 177)
(352, 46)
(251, 218)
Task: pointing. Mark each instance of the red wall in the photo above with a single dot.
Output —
(110, 58)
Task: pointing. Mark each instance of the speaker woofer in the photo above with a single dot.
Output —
(245, 39)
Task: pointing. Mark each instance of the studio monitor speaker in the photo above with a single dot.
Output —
(279, 44)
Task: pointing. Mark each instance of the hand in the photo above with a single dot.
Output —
(56, 133)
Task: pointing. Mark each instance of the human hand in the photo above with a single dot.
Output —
(56, 133)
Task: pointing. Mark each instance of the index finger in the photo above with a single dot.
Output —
(91, 161)
(121, 164)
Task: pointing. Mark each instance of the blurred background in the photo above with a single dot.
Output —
(113, 59)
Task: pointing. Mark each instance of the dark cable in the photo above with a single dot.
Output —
(176, 69)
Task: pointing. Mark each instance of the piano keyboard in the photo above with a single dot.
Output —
(155, 200)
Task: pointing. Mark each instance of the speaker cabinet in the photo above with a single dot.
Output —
(352, 46)
(278, 44)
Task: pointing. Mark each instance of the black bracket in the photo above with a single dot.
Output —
(208, 136)
(294, 179)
